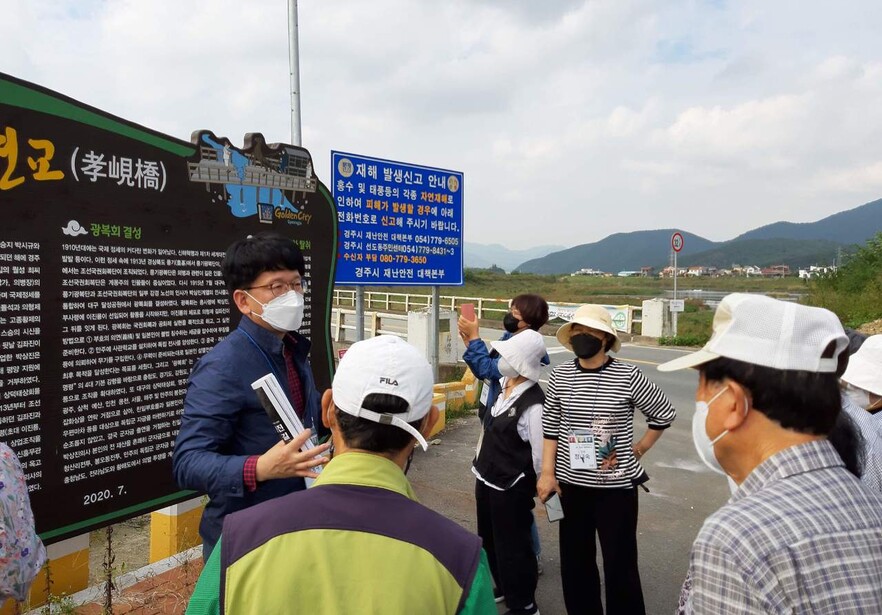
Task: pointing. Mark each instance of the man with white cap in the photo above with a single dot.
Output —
(357, 541)
(862, 400)
(507, 462)
(801, 533)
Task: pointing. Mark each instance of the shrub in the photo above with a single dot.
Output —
(684, 340)
(854, 292)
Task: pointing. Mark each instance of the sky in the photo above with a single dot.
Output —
(571, 120)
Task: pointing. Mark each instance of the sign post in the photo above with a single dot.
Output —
(676, 246)
(399, 224)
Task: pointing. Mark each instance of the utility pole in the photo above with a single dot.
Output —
(294, 72)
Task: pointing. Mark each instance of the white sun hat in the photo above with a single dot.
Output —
(385, 364)
(524, 352)
(865, 366)
(764, 331)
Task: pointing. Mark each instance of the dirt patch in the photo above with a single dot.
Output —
(131, 548)
(162, 594)
(872, 328)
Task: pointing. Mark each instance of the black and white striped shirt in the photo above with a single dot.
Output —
(602, 402)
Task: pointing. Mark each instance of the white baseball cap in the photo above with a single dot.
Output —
(590, 315)
(523, 352)
(865, 366)
(764, 331)
(385, 364)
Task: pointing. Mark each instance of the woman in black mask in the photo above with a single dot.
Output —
(590, 459)
(526, 311)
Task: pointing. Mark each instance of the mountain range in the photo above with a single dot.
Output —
(483, 256)
(790, 243)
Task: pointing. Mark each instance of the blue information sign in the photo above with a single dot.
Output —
(397, 223)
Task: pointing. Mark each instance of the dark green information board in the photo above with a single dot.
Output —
(110, 289)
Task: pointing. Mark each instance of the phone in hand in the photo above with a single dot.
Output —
(467, 311)
(553, 508)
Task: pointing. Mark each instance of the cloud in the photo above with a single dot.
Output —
(616, 116)
(859, 179)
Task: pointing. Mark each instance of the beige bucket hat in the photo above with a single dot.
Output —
(590, 315)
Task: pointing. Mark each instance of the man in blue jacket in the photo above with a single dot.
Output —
(227, 446)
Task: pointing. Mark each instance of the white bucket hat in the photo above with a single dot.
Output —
(763, 331)
(590, 315)
(523, 352)
(385, 364)
(865, 366)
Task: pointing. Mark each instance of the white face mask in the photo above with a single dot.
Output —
(506, 369)
(858, 397)
(283, 313)
(703, 444)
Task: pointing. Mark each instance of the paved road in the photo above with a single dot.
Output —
(682, 491)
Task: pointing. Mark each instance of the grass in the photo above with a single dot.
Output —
(583, 289)
(694, 325)
(463, 411)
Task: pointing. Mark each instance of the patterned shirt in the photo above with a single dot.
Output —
(801, 535)
(22, 554)
(601, 402)
(870, 428)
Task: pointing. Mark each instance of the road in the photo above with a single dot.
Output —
(683, 492)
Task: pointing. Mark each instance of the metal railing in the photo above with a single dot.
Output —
(375, 323)
(406, 302)
(392, 302)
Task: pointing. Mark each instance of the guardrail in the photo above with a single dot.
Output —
(375, 323)
(406, 302)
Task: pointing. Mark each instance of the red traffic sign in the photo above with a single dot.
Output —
(677, 242)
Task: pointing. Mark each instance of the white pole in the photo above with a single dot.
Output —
(433, 328)
(674, 314)
(359, 313)
(294, 72)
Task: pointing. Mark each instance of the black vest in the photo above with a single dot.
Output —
(504, 455)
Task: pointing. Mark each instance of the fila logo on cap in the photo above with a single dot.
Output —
(389, 381)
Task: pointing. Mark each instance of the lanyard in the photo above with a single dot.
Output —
(263, 354)
(271, 365)
(566, 409)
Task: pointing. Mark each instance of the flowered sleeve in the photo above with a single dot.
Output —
(22, 553)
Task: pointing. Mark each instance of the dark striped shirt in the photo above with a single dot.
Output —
(601, 401)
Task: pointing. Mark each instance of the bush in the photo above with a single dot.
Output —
(854, 292)
(684, 340)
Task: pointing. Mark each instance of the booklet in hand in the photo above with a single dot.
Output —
(282, 415)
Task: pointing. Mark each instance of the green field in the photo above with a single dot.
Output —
(694, 325)
(854, 293)
(584, 289)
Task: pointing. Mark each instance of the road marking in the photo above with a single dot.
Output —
(629, 361)
(638, 361)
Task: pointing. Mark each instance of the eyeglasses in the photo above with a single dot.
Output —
(280, 288)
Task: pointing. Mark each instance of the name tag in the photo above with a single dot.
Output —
(582, 451)
(485, 392)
